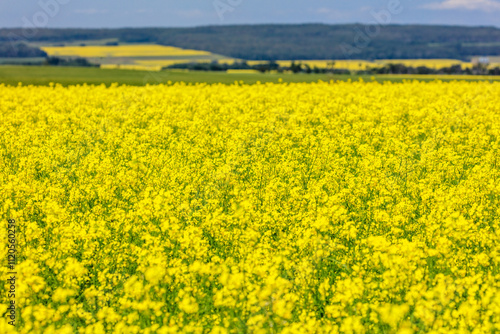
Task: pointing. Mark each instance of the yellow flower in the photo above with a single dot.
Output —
(61, 295)
(189, 305)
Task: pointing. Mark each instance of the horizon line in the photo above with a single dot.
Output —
(264, 24)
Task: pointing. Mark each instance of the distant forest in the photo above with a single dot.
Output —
(14, 50)
(290, 42)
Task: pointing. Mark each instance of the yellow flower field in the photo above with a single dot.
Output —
(242, 71)
(430, 63)
(131, 67)
(165, 63)
(329, 207)
(135, 56)
(138, 50)
(355, 65)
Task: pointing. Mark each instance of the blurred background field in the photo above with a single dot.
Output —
(138, 56)
(249, 54)
(156, 57)
(140, 64)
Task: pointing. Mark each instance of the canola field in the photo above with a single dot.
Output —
(155, 57)
(134, 56)
(430, 63)
(136, 50)
(328, 207)
(361, 65)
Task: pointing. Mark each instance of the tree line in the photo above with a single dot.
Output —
(298, 67)
(292, 41)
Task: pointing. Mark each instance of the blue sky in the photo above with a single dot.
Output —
(186, 13)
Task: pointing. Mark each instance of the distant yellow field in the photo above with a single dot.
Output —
(338, 64)
(256, 62)
(154, 57)
(228, 61)
(364, 64)
(164, 63)
(146, 50)
(131, 67)
(430, 63)
(456, 77)
(243, 71)
(353, 65)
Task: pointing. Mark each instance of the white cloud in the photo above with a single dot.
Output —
(484, 5)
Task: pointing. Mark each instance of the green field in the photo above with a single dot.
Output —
(44, 75)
